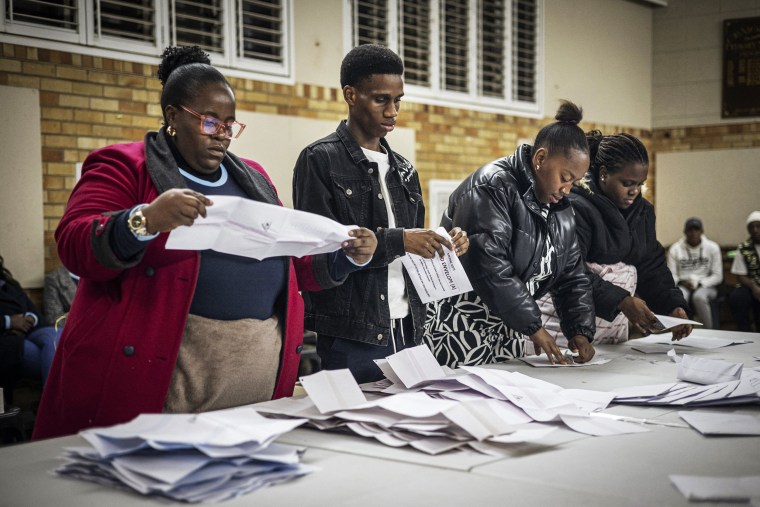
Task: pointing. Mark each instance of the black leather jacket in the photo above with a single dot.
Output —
(498, 209)
(333, 178)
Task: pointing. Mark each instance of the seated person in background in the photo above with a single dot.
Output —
(27, 342)
(60, 287)
(156, 330)
(745, 298)
(697, 267)
(616, 233)
(522, 246)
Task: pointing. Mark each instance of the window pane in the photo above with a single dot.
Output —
(127, 19)
(524, 44)
(454, 42)
(491, 23)
(261, 26)
(198, 23)
(370, 19)
(414, 40)
(60, 14)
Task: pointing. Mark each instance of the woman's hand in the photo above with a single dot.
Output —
(638, 314)
(175, 207)
(544, 342)
(460, 241)
(424, 242)
(362, 247)
(583, 347)
(22, 323)
(683, 330)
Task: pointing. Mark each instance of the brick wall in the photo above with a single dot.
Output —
(88, 102)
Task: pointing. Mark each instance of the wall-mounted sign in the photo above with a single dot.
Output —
(741, 68)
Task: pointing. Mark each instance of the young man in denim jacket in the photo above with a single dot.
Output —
(352, 176)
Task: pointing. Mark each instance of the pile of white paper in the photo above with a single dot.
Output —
(735, 392)
(206, 457)
(434, 410)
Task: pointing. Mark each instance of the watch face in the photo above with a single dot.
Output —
(136, 221)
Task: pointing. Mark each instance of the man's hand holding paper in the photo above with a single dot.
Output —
(438, 277)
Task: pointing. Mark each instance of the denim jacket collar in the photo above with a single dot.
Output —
(355, 151)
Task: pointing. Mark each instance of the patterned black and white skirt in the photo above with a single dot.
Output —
(462, 331)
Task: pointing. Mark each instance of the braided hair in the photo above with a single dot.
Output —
(563, 135)
(184, 73)
(614, 152)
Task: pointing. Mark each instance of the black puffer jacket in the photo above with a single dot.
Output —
(498, 209)
(608, 236)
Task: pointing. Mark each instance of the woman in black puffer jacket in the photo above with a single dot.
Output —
(522, 246)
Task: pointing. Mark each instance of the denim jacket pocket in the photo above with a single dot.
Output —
(353, 198)
(412, 203)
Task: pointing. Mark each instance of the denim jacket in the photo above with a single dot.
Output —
(333, 178)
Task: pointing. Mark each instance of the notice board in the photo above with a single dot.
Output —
(741, 68)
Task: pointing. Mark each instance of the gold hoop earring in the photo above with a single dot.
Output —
(170, 130)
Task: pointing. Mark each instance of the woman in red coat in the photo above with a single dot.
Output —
(154, 330)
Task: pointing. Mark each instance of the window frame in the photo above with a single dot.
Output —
(84, 40)
(436, 94)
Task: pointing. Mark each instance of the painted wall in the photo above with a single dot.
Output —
(718, 186)
(598, 53)
(688, 52)
(21, 223)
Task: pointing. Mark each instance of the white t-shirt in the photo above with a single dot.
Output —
(397, 299)
(739, 267)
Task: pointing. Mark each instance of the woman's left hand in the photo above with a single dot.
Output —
(362, 247)
(460, 241)
(683, 330)
(583, 347)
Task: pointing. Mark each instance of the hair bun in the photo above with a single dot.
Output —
(569, 113)
(177, 56)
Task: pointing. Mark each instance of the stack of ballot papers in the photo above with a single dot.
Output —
(746, 390)
(206, 457)
(429, 408)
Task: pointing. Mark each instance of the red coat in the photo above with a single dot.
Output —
(118, 349)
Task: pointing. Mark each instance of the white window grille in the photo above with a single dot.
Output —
(476, 52)
(248, 35)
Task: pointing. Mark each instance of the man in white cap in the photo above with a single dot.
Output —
(697, 268)
(745, 298)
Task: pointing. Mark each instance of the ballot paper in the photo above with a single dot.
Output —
(239, 226)
(718, 489)
(439, 277)
(415, 365)
(707, 371)
(697, 341)
(722, 423)
(666, 322)
(206, 457)
(542, 361)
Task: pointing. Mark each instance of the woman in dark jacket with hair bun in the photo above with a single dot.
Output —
(522, 246)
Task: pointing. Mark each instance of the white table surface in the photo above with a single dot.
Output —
(619, 470)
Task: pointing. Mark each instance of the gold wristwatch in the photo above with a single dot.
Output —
(138, 223)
